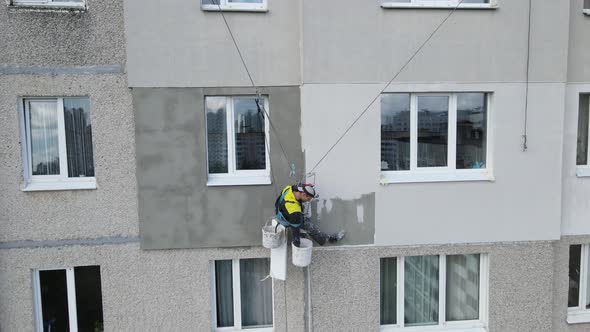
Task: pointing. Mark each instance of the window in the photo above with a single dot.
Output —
(68, 299)
(583, 153)
(475, 4)
(242, 295)
(237, 143)
(57, 149)
(235, 5)
(586, 9)
(447, 293)
(71, 4)
(435, 137)
(578, 301)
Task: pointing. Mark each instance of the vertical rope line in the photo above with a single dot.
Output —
(526, 93)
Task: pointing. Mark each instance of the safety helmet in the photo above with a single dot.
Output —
(308, 189)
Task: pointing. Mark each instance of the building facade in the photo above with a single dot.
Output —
(144, 144)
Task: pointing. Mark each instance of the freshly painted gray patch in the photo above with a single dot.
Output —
(176, 207)
(355, 216)
(8, 69)
(71, 242)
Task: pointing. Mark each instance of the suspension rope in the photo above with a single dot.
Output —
(526, 93)
(386, 86)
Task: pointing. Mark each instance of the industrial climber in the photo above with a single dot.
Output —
(290, 214)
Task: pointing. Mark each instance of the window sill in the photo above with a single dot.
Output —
(435, 176)
(234, 8)
(434, 328)
(78, 184)
(577, 316)
(214, 181)
(582, 171)
(395, 5)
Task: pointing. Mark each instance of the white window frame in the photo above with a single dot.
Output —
(227, 5)
(237, 300)
(71, 293)
(49, 182)
(48, 4)
(493, 4)
(584, 170)
(580, 314)
(239, 177)
(479, 325)
(449, 172)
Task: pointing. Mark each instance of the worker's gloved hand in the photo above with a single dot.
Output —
(337, 237)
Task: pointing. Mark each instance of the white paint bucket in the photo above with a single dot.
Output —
(272, 236)
(302, 254)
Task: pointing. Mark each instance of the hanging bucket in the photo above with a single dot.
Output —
(302, 254)
(272, 236)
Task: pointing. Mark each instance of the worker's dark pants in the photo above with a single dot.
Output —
(313, 230)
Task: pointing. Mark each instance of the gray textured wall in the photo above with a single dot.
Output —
(141, 290)
(176, 207)
(561, 284)
(345, 285)
(93, 37)
(579, 43)
(186, 47)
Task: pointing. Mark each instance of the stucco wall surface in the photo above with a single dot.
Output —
(345, 285)
(109, 210)
(365, 43)
(185, 46)
(505, 209)
(579, 43)
(176, 207)
(141, 290)
(50, 38)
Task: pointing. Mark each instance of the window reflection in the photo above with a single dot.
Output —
(249, 135)
(216, 134)
(433, 124)
(44, 137)
(395, 132)
(471, 130)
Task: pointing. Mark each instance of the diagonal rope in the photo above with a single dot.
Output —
(526, 93)
(386, 86)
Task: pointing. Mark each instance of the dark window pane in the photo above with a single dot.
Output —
(582, 150)
(462, 287)
(388, 291)
(476, 1)
(216, 134)
(586, 4)
(88, 298)
(256, 295)
(43, 137)
(421, 290)
(471, 130)
(250, 141)
(78, 137)
(54, 300)
(573, 299)
(224, 293)
(433, 124)
(395, 132)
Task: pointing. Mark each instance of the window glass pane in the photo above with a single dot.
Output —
(421, 290)
(256, 295)
(224, 293)
(88, 298)
(395, 132)
(573, 299)
(216, 134)
(388, 290)
(244, 1)
(44, 137)
(582, 151)
(586, 4)
(250, 141)
(433, 123)
(462, 287)
(78, 137)
(54, 300)
(471, 130)
(476, 1)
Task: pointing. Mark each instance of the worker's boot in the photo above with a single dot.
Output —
(337, 237)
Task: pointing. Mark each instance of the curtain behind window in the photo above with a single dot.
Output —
(256, 295)
(462, 287)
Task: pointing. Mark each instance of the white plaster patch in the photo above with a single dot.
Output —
(360, 214)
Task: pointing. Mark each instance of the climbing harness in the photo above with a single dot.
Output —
(280, 217)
